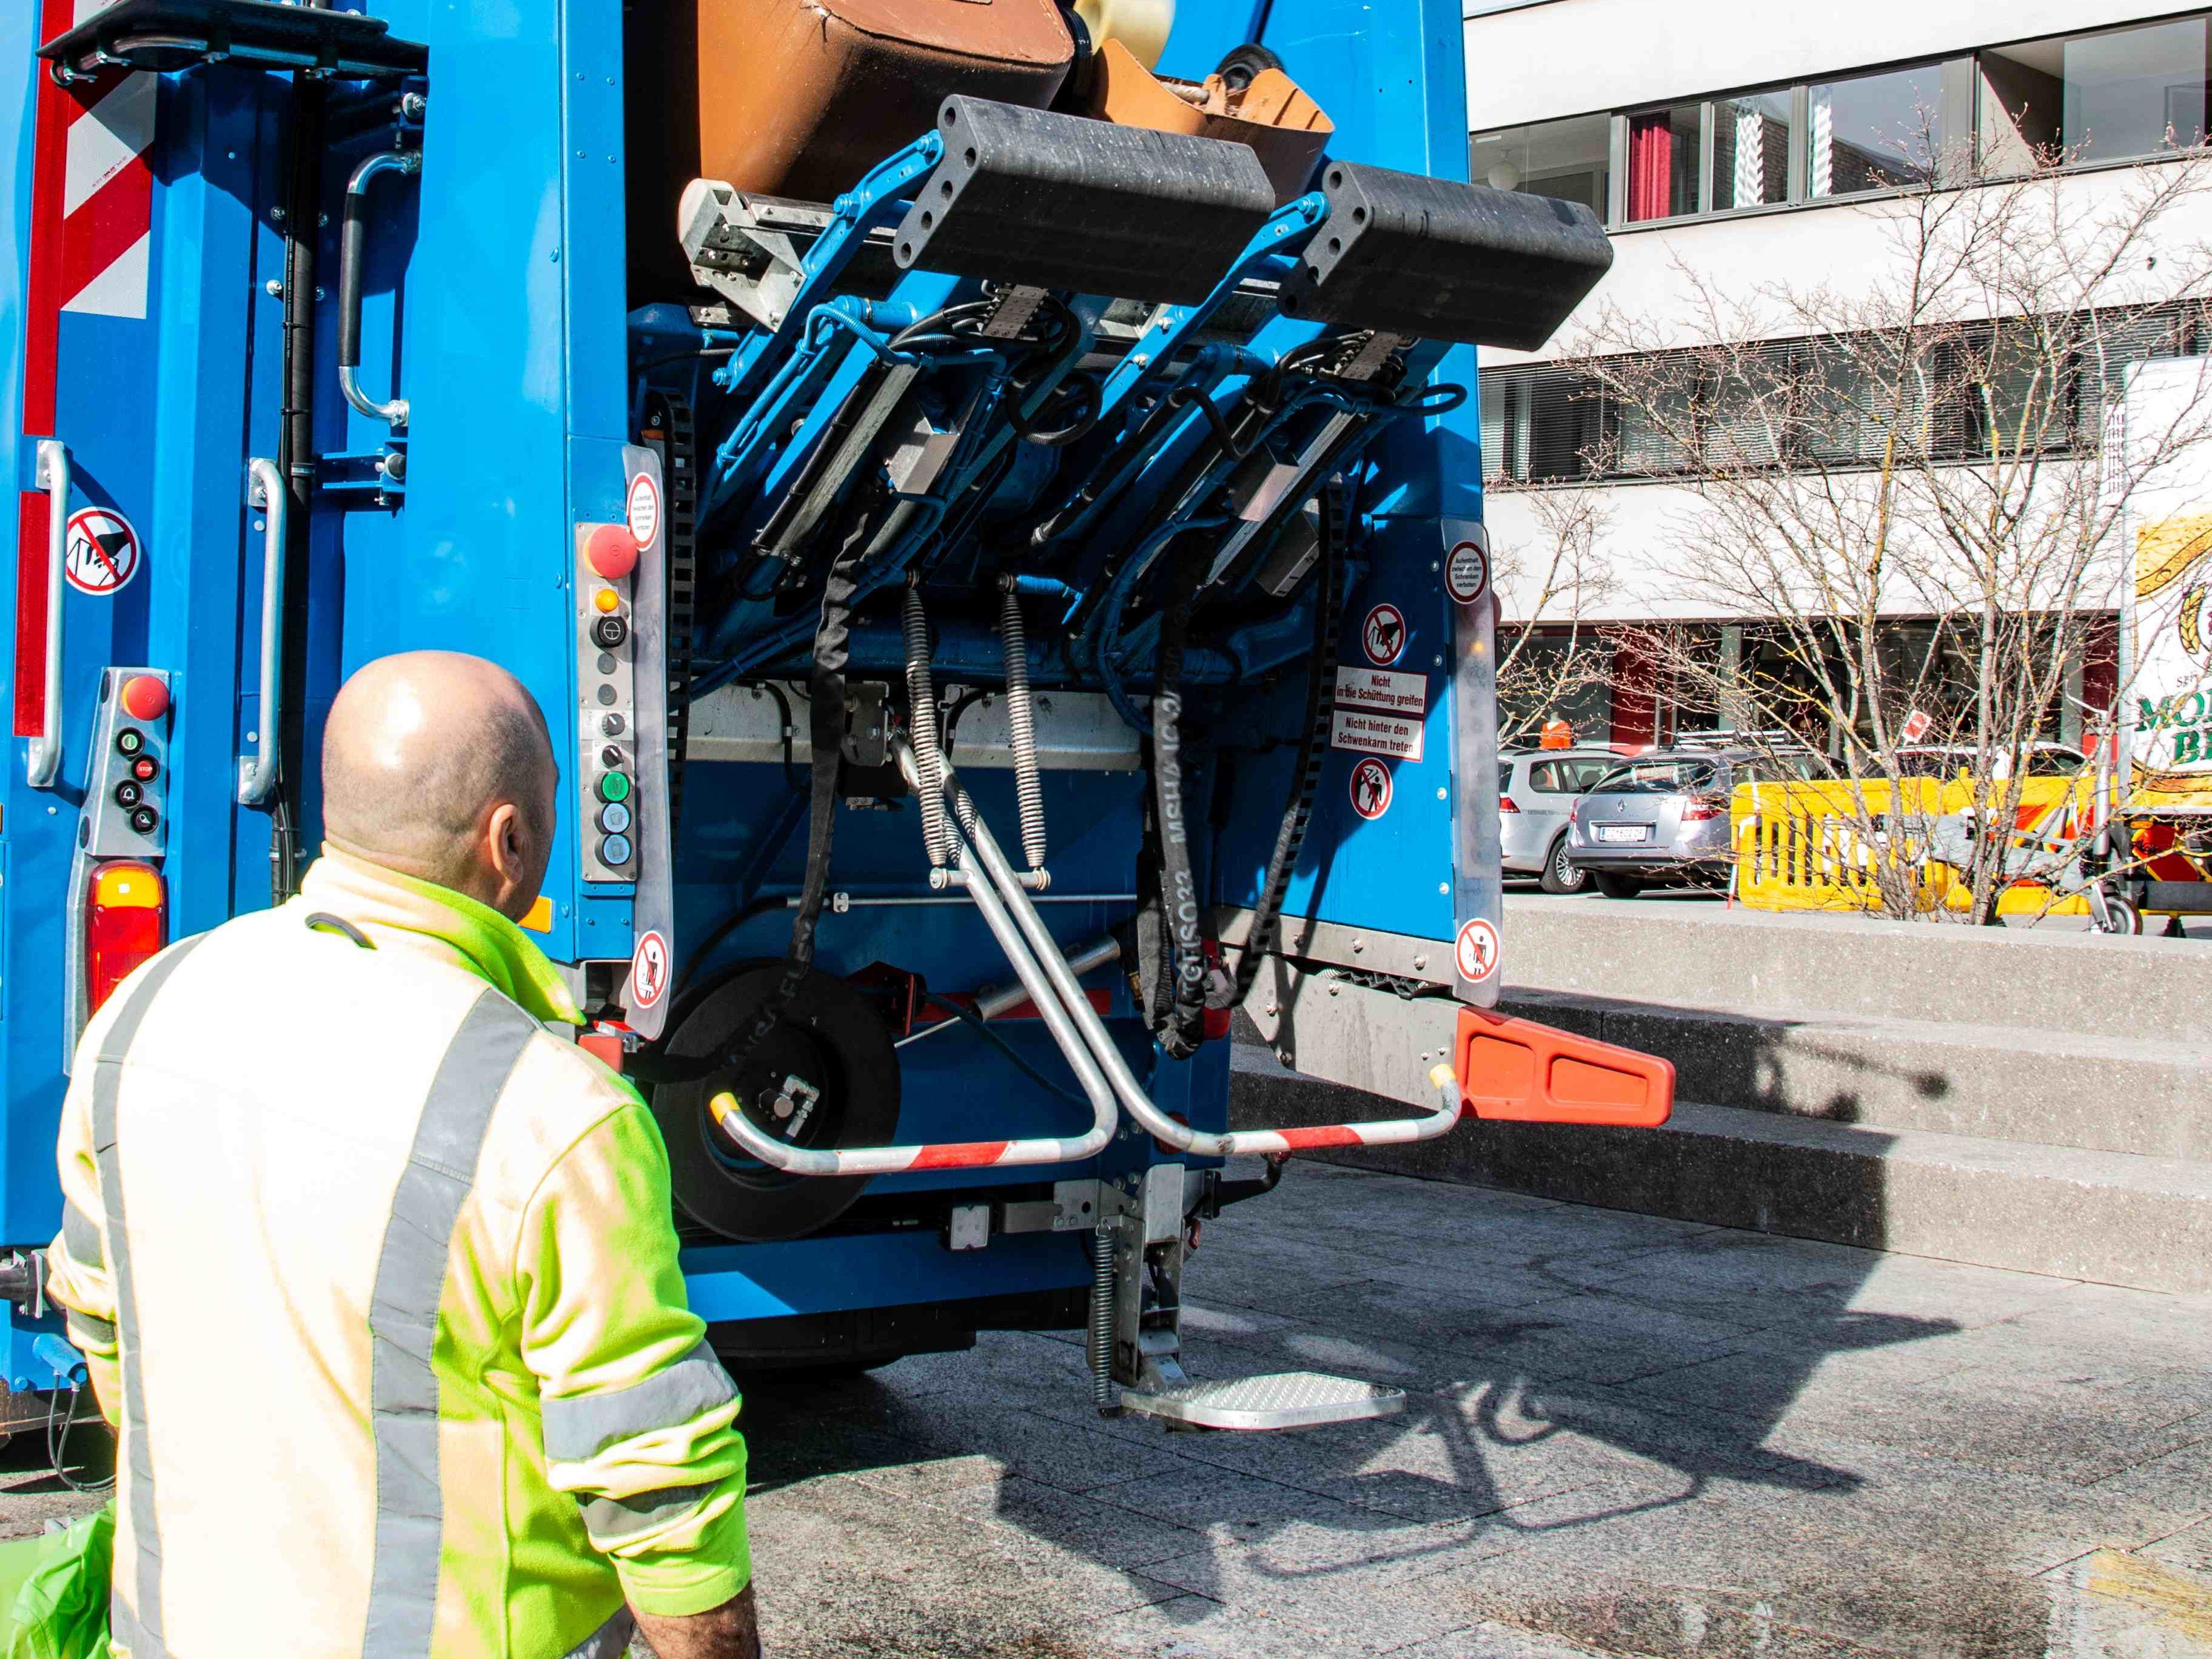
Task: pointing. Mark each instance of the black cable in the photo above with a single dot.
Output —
(57, 1449)
(961, 704)
(1313, 745)
(983, 1027)
(684, 358)
(783, 712)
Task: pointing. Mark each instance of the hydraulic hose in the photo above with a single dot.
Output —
(1171, 956)
(992, 870)
(922, 721)
(1021, 722)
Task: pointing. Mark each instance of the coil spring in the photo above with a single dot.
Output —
(928, 757)
(1021, 722)
(1102, 1318)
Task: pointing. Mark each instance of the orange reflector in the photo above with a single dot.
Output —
(1515, 1071)
(540, 917)
(126, 923)
(606, 601)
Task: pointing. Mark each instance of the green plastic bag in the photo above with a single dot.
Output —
(58, 1588)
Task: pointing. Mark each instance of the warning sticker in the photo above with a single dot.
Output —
(1383, 637)
(99, 551)
(1382, 691)
(1376, 735)
(1466, 572)
(644, 509)
(648, 971)
(1371, 789)
(1474, 952)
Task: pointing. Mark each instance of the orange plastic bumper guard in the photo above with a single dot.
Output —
(1515, 1071)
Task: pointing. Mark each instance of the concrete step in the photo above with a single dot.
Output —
(1701, 953)
(2111, 1217)
(2139, 1095)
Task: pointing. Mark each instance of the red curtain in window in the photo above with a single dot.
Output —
(1650, 165)
(1635, 691)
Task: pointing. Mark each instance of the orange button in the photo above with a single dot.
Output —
(611, 551)
(144, 697)
(606, 601)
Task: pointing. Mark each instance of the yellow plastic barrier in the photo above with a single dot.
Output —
(1815, 847)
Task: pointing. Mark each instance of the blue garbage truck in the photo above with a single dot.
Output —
(988, 498)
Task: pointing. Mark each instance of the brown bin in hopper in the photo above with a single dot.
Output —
(801, 97)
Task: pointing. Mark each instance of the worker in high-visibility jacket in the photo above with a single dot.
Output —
(373, 1267)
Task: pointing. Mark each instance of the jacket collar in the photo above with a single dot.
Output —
(488, 945)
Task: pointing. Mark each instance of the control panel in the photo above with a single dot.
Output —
(606, 578)
(125, 820)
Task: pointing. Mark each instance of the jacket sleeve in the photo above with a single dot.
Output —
(640, 1416)
(78, 1278)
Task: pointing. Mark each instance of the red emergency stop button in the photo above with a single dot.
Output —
(144, 697)
(611, 551)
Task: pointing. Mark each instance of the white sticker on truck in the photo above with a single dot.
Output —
(1379, 711)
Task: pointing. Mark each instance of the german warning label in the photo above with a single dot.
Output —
(1466, 572)
(1383, 637)
(1379, 711)
(1371, 789)
(648, 972)
(1474, 952)
(99, 551)
(643, 509)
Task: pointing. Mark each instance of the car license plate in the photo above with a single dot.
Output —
(1622, 831)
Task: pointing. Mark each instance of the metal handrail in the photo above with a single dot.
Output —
(256, 773)
(1387, 1132)
(954, 1155)
(353, 256)
(43, 762)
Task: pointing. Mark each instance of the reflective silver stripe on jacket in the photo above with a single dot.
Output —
(576, 1428)
(410, 1281)
(611, 1521)
(81, 1238)
(610, 1641)
(139, 1626)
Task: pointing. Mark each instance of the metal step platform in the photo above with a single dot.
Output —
(1287, 1400)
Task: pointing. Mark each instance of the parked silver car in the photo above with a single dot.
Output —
(1536, 787)
(1664, 820)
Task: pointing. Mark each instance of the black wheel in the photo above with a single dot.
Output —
(2120, 917)
(1238, 69)
(826, 1077)
(1614, 886)
(1561, 875)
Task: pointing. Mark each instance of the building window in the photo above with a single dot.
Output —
(1750, 150)
(1873, 132)
(1567, 160)
(1663, 161)
(2103, 97)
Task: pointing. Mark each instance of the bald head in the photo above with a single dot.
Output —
(439, 765)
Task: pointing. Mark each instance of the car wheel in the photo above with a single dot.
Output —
(1618, 886)
(1561, 875)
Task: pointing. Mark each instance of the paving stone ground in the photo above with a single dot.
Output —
(1624, 1435)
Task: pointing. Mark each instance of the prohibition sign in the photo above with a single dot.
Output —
(1474, 952)
(1371, 789)
(1385, 635)
(643, 510)
(648, 971)
(99, 551)
(1466, 572)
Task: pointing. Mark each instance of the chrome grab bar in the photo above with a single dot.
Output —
(257, 772)
(352, 256)
(43, 763)
(1279, 1143)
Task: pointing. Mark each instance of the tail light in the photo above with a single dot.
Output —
(1700, 808)
(1506, 804)
(126, 924)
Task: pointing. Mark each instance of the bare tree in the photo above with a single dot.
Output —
(1925, 446)
(1550, 653)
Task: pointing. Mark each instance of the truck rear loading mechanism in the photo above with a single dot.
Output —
(1004, 568)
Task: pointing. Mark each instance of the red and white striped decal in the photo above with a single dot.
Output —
(91, 221)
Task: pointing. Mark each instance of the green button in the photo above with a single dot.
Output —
(615, 786)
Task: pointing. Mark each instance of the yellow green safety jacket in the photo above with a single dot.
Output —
(376, 1276)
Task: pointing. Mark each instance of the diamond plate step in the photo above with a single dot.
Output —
(1287, 1400)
